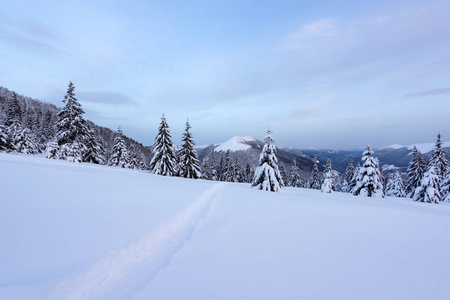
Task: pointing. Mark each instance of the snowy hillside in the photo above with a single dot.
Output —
(82, 231)
(237, 143)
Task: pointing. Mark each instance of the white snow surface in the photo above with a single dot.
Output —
(81, 231)
(236, 143)
(423, 147)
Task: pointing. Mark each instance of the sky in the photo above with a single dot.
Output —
(325, 74)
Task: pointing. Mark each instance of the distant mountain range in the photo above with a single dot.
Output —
(248, 150)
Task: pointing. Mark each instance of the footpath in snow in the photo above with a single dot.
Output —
(129, 269)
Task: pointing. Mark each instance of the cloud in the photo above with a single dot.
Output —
(432, 92)
(110, 98)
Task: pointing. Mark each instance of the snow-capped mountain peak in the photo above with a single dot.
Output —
(237, 143)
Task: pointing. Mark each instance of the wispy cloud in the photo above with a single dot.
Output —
(432, 92)
(110, 98)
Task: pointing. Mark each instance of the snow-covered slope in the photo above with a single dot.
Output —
(80, 231)
(237, 143)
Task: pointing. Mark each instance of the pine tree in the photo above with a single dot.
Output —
(248, 173)
(368, 179)
(284, 174)
(328, 170)
(238, 170)
(213, 169)
(164, 161)
(133, 159)
(206, 172)
(119, 152)
(189, 163)
(267, 176)
(414, 173)
(94, 150)
(353, 181)
(47, 126)
(327, 185)
(314, 180)
(221, 169)
(445, 187)
(4, 139)
(71, 126)
(349, 173)
(295, 180)
(14, 112)
(438, 159)
(24, 142)
(428, 191)
(395, 186)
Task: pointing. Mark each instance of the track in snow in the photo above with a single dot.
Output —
(127, 270)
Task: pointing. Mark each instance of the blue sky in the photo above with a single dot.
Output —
(325, 74)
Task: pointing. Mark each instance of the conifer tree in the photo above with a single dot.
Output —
(284, 174)
(328, 185)
(238, 170)
(267, 176)
(395, 186)
(368, 179)
(212, 168)
(189, 163)
(71, 126)
(414, 173)
(314, 180)
(248, 173)
(119, 152)
(206, 172)
(94, 150)
(4, 139)
(349, 172)
(438, 159)
(295, 180)
(133, 159)
(14, 112)
(428, 191)
(221, 169)
(24, 142)
(164, 161)
(445, 187)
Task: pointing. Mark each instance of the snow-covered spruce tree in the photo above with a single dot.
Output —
(428, 191)
(284, 174)
(438, 159)
(164, 161)
(267, 176)
(248, 173)
(47, 126)
(349, 172)
(133, 158)
(445, 187)
(414, 173)
(212, 167)
(94, 150)
(24, 142)
(368, 182)
(119, 152)
(314, 180)
(329, 169)
(295, 180)
(13, 112)
(328, 185)
(189, 163)
(395, 186)
(206, 172)
(238, 170)
(71, 127)
(352, 182)
(4, 139)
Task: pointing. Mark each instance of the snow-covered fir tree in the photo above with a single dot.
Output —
(164, 161)
(14, 112)
(133, 158)
(295, 180)
(267, 176)
(212, 167)
(445, 187)
(428, 191)
(438, 159)
(4, 139)
(414, 173)
(94, 150)
(284, 174)
(189, 163)
(328, 169)
(248, 173)
(119, 152)
(24, 142)
(395, 186)
(206, 172)
(349, 173)
(71, 127)
(328, 182)
(314, 180)
(368, 179)
(353, 181)
(238, 170)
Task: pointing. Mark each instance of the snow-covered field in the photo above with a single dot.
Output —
(80, 231)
